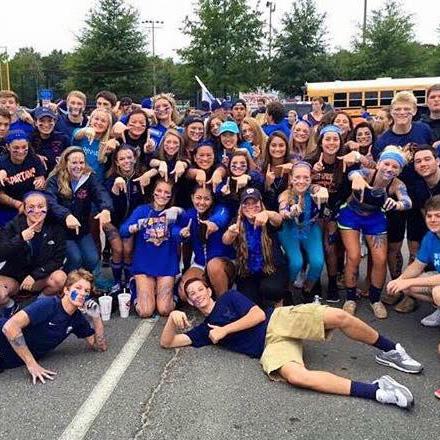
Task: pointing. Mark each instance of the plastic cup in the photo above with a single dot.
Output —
(105, 304)
(124, 300)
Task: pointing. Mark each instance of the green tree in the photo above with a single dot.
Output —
(26, 72)
(111, 52)
(54, 72)
(300, 49)
(225, 47)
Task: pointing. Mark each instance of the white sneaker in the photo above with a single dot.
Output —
(400, 360)
(392, 392)
(300, 279)
(432, 320)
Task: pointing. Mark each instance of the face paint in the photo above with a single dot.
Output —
(75, 111)
(74, 295)
(238, 166)
(388, 175)
(33, 211)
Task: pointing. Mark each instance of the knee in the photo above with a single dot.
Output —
(57, 279)
(74, 261)
(354, 260)
(144, 311)
(341, 318)
(214, 267)
(164, 309)
(298, 377)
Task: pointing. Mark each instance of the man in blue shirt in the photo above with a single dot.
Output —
(275, 119)
(275, 336)
(76, 104)
(43, 325)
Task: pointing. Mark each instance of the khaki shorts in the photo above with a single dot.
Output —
(287, 328)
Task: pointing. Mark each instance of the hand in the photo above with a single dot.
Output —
(319, 166)
(39, 182)
(27, 283)
(242, 181)
(91, 308)
(28, 233)
(73, 223)
(133, 229)
(390, 204)
(211, 227)
(354, 146)
(163, 170)
(103, 217)
(89, 133)
(19, 206)
(179, 170)
(39, 373)
(397, 285)
(119, 185)
(225, 159)
(216, 179)
(320, 197)
(261, 219)
(119, 131)
(216, 334)
(201, 178)
(149, 145)
(270, 177)
(143, 180)
(256, 152)
(172, 213)
(297, 208)
(285, 168)
(180, 320)
(358, 183)
(110, 146)
(3, 177)
(43, 160)
(226, 190)
(186, 231)
(349, 159)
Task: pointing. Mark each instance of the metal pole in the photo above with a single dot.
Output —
(153, 28)
(272, 6)
(364, 27)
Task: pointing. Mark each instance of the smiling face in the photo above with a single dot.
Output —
(425, 164)
(277, 148)
(79, 292)
(76, 164)
(247, 132)
(301, 133)
(10, 104)
(214, 126)
(171, 145)
(195, 131)
(301, 179)
(100, 122)
(432, 219)
(229, 140)
(251, 207)
(331, 142)
(45, 125)
(238, 165)
(125, 161)
(202, 200)
(388, 169)
(35, 208)
(364, 137)
(75, 106)
(18, 150)
(162, 109)
(343, 122)
(198, 294)
(162, 195)
(137, 124)
(402, 113)
(204, 157)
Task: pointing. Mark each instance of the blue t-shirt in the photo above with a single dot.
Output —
(231, 307)
(429, 251)
(283, 126)
(255, 252)
(49, 325)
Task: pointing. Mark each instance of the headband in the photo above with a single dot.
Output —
(330, 129)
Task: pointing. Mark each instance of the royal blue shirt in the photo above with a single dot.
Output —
(21, 125)
(231, 307)
(429, 251)
(49, 325)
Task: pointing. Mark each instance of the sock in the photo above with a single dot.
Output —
(364, 390)
(117, 271)
(374, 294)
(351, 293)
(384, 344)
(332, 283)
(127, 272)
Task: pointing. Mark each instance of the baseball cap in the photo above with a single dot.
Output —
(229, 126)
(41, 112)
(250, 193)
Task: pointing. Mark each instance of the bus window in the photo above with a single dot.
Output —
(386, 97)
(420, 96)
(371, 99)
(355, 99)
(340, 100)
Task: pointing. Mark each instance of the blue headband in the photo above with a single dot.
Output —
(14, 135)
(393, 155)
(330, 129)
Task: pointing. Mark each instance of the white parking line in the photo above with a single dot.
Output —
(90, 409)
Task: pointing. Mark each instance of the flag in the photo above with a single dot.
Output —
(206, 94)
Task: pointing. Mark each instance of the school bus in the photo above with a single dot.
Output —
(373, 94)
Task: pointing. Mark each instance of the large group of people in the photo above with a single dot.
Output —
(233, 212)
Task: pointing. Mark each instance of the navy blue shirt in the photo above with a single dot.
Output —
(67, 127)
(51, 147)
(229, 308)
(49, 325)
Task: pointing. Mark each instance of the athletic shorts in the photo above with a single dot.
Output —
(374, 223)
(416, 227)
(396, 225)
(288, 327)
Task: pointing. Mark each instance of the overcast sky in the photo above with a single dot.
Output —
(53, 24)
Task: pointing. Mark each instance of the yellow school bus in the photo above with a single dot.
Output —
(373, 94)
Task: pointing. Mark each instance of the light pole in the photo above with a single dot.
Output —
(272, 6)
(153, 26)
(364, 27)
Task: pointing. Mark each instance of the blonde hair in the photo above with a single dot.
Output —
(79, 274)
(168, 97)
(102, 157)
(60, 170)
(77, 94)
(404, 97)
(9, 94)
(260, 137)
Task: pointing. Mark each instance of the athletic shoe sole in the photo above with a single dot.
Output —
(395, 366)
(400, 388)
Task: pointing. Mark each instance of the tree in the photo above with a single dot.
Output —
(300, 49)
(111, 53)
(54, 72)
(226, 44)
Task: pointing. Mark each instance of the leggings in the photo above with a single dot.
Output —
(294, 247)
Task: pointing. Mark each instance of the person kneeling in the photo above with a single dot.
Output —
(275, 337)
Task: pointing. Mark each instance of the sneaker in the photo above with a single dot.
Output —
(407, 305)
(333, 296)
(300, 279)
(390, 299)
(391, 391)
(350, 307)
(116, 288)
(379, 310)
(437, 393)
(432, 320)
(400, 360)
(317, 299)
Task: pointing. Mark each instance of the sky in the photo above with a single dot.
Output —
(53, 24)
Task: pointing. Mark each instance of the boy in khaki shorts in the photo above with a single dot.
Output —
(275, 336)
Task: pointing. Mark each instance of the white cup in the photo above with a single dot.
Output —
(105, 304)
(124, 300)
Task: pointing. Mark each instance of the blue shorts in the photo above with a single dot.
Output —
(374, 223)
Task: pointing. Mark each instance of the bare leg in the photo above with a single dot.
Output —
(413, 247)
(51, 285)
(321, 381)
(146, 295)
(192, 272)
(8, 288)
(330, 247)
(395, 259)
(220, 273)
(350, 238)
(377, 245)
(164, 295)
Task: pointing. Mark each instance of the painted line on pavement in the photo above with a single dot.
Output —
(90, 409)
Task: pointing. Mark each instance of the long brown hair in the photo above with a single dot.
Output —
(63, 176)
(267, 158)
(161, 154)
(114, 169)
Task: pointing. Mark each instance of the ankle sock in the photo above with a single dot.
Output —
(374, 294)
(384, 344)
(351, 293)
(116, 271)
(364, 390)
